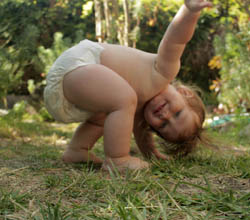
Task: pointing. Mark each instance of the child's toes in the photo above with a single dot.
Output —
(131, 163)
(136, 164)
(80, 156)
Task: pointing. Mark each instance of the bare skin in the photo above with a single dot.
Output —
(82, 142)
(119, 87)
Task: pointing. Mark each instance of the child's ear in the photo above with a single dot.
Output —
(185, 92)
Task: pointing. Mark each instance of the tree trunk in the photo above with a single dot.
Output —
(126, 23)
(136, 30)
(118, 24)
(107, 20)
(52, 3)
(134, 34)
(98, 21)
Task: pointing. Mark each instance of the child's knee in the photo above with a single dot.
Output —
(128, 103)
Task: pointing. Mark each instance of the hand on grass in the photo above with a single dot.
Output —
(159, 155)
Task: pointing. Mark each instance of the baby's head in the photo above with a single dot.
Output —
(177, 114)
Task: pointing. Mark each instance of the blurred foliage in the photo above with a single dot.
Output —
(60, 44)
(22, 111)
(10, 72)
(27, 25)
(233, 87)
(232, 58)
(34, 32)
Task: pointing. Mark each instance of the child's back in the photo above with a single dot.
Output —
(136, 67)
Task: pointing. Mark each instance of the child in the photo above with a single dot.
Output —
(114, 91)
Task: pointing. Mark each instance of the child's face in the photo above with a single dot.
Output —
(170, 115)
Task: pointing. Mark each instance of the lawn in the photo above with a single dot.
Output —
(36, 184)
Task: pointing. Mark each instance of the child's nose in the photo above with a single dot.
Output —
(165, 115)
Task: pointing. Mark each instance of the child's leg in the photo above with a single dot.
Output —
(97, 88)
(82, 142)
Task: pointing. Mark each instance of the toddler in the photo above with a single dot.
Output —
(115, 91)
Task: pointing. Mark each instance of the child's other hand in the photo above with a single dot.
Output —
(159, 155)
(197, 5)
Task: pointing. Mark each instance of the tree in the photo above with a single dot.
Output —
(118, 19)
(107, 20)
(98, 21)
(126, 23)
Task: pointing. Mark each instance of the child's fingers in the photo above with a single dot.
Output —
(205, 4)
(197, 5)
(160, 155)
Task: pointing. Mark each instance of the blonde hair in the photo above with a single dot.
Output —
(187, 144)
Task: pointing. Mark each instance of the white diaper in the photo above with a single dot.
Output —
(84, 53)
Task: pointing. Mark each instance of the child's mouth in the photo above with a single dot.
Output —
(159, 108)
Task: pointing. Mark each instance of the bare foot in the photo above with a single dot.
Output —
(72, 156)
(123, 163)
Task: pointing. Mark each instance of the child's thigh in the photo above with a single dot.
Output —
(96, 88)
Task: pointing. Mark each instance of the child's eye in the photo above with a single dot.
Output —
(177, 114)
(164, 123)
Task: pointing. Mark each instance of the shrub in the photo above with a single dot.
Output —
(234, 52)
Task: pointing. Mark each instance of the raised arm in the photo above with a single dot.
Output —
(177, 35)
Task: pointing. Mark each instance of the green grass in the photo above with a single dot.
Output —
(36, 185)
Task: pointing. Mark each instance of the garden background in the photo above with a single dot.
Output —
(35, 184)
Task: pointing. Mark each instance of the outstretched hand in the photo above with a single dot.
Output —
(197, 5)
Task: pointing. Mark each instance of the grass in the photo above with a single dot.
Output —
(36, 185)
